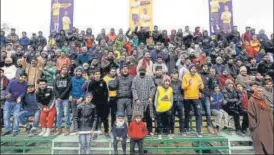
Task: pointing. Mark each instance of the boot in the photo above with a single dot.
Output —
(47, 133)
(58, 132)
(67, 132)
(42, 132)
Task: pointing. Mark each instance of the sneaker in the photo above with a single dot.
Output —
(210, 130)
(47, 133)
(160, 137)
(28, 128)
(14, 134)
(184, 134)
(58, 132)
(199, 135)
(32, 133)
(170, 136)
(67, 132)
(239, 133)
(42, 132)
(6, 133)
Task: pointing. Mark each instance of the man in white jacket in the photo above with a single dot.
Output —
(9, 69)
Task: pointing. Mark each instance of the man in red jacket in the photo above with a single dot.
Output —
(137, 131)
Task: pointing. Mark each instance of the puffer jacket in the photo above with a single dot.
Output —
(123, 86)
(86, 117)
(231, 99)
(177, 91)
(44, 97)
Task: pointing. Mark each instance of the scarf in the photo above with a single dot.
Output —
(120, 124)
(261, 101)
(145, 63)
(245, 100)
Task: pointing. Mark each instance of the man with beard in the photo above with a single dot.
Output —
(204, 97)
(109, 63)
(19, 67)
(14, 94)
(49, 71)
(143, 90)
(62, 88)
(33, 71)
(252, 67)
(10, 51)
(245, 80)
(212, 80)
(41, 40)
(269, 93)
(146, 63)
(235, 35)
(13, 38)
(112, 103)
(61, 38)
(18, 55)
(266, 66)
(24, 41)
(99, 90)
(158, 75)
(101, 36)
(123, 84)
(77, 95)
(9, 69)
(231, 68)
(158, 52)
(219, 65)
(192, 83)
(84, 57)
(206, 46)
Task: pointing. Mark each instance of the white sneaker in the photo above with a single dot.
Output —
(160, 137)
(42, 132)
(47, 133)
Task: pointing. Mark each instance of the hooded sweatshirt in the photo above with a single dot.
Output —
(62, 87)
(77, 83)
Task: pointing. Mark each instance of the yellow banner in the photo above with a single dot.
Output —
(141, 13)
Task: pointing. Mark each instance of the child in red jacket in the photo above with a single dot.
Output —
(137, 131)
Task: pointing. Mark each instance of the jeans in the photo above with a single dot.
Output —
(220, 114)
(63, 106)
(73, 105)
(197, 111)
(206, 106)
(23, 114)
(125, 104)
(140, 143)
(85, 143)
(178, 107)
(164, 122)
(11, 108)
(123, 142)
(113, 109)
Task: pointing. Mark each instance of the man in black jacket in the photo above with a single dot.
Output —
(62, 88)
(99, 90)
(124, 94)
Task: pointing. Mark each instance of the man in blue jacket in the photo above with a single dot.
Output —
(84, 57)
(14, 93)
(24, 41)
(30, 108)
(76, 94)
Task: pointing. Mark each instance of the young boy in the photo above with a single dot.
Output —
(119, 132)
(85, 120)
(217, 100)
(163, 105)
(137, 131)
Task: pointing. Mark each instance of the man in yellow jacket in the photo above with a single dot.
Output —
(192, 83)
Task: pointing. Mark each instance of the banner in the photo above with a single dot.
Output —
(61, 15)
(141, 14)
(220, 15)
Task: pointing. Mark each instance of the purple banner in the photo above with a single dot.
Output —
(61, 15)
(220, 15)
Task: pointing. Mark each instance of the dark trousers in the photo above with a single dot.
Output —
(103, 112)
(125, 104)
(147, 118)
(140, 143)
(124, 145)
(178, 107)
(196, 104)
(73, 105)
(236, 117)
(113, 109)
(164, 122)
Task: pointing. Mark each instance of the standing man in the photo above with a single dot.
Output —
(192, 83)
(62, 88)
(99, 90)
(123, 85)
(112, 103)
(143, 90)
(76, 95)
(15, 92)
